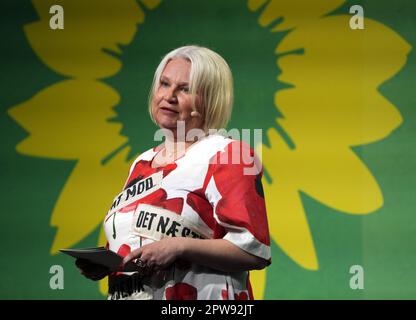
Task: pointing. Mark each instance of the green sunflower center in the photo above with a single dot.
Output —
(227, 27)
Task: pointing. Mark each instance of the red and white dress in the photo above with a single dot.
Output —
(213, 191)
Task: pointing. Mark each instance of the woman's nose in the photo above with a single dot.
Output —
(170, 95)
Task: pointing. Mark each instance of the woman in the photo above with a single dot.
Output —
(189, 214)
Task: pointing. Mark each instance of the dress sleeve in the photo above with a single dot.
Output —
(235, 192)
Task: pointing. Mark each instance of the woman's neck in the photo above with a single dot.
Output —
(176, 146)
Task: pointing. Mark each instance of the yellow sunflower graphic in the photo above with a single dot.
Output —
(332, 104)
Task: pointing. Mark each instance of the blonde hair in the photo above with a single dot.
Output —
(210, 77)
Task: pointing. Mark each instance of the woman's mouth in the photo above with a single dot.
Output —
(168, 111)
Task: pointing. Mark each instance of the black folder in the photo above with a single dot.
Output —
(102, 256)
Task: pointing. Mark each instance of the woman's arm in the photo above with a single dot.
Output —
(218, 254)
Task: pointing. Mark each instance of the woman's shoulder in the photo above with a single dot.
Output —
(227, 143)
(209, 145)
(220, 145)
(237, 152)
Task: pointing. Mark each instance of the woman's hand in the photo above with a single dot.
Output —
(158, 255)
(91, 270)
(218, 254)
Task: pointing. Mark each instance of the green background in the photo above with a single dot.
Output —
(383, 242)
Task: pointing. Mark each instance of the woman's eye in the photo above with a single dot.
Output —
(164, 83)
(185, 89)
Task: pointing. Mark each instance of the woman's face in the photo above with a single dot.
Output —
(172, 101)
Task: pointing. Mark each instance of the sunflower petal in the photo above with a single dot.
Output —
(103, 284)
(69, 120)
(77, 50)
(258, 281)
(150, 4)
(293, 12)
(288, 225)
(333, 106)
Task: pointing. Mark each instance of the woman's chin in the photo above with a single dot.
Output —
(171, 125)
